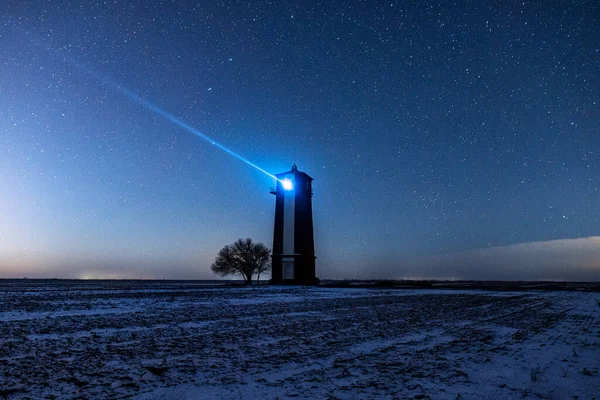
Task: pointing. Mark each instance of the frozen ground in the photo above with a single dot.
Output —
(179, 341)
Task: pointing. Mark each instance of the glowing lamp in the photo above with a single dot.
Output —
(287, 184)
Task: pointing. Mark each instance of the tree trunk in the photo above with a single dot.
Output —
(258, 278)
(249, 279)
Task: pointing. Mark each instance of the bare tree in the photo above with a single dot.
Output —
(265, 267)
(244, 257)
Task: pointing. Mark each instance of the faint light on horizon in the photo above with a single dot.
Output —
(100, 275)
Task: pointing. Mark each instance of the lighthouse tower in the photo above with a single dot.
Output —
(293, 259)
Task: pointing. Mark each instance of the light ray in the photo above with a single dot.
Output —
(159, 111)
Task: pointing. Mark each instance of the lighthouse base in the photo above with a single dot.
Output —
(293, 269)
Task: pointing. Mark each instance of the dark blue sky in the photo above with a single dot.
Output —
(430, 128)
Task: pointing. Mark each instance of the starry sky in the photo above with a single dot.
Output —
(446, 139)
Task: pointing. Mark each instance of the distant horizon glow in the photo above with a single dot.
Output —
(532, 261)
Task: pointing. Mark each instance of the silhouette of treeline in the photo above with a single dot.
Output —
(465, 285)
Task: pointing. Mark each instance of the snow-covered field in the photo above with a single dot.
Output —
(178, 341)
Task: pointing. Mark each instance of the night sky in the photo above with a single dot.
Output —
(446, 140)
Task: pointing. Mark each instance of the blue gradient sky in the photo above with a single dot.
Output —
(430, 129)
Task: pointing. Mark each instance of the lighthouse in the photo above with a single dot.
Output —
(293, 258)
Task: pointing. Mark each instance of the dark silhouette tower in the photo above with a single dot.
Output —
(293, 240)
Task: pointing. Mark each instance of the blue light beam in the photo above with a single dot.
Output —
(157, 110)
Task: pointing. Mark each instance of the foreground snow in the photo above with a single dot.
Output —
(178, 342)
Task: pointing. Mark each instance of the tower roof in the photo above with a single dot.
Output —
(295, 171)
